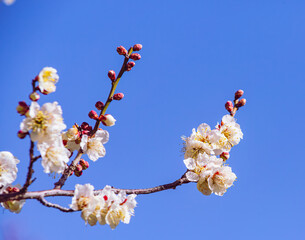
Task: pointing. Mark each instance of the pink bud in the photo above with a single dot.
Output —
(238, 94)
(121, 50)
(22, 108)
(84, 164)
(111, 75)
(78, 168)
(225, 156)
(99, 105)
(15, 189)
(137, 47)
(34, 96)
(130, 65)
(93, 115)
(21, 134)
(71, 173)
(241, 102)
(229, 106)
(135, 56)
(107, 120)
(118, 96)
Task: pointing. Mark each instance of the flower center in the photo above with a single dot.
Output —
(39, 122)
(47, 76)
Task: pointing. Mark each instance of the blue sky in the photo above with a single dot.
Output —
(195, 55)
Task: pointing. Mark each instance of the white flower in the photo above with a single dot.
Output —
(83, 195)
(108, 120)
(8, 2)
(71, 139)
(116, 208)
(8, 168)
(54, 155)
(201, 166)
(94, 147)
(221, 179)
(44, 122)
(47, 79)
(231, 132)
(200, 141)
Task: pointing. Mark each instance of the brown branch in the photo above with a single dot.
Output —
(68, 171)
(69, 193)
(111, 93)
(59, 184)
(53, 205)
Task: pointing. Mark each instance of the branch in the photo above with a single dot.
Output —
(59, 184)
(53, 205)
(40, 195)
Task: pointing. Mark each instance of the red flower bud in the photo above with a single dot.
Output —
(241, 102)
(78, 174)
(130, 65)
(93, 115)
(111, 75)
(229, 106)
(135, 56)
(238, 94)
(118, 96)
(99, 105)
(22, 108)
(21, 134)
(78, 168)
(84, 164)
(137, 47)
(121, 50)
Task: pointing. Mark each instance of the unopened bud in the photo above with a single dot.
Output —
(22, 108)
(15, 189)
(135, 56)
(130, 65)
(78, 168)
(241, 102)
(107, 120)
(111, 75)
(137, 47)
(84, 164)
(93, 115)
(121, 50)
(34, 96)
(71, 173)
(225, 156)
(99, 105)
(238, 94)
(78, 174)
(21, 134)
(118, 96)
(229, 106)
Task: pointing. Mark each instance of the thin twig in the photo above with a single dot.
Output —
(53, 205)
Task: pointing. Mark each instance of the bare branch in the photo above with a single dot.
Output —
(53, 205)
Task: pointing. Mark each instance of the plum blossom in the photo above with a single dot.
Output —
(71, 139)
(105, 208)
(47, 79)
(230, 133)
(44, 123)
(221, 179)
(200, 141)
(8, 168)
(94, 147)
(54, 155)
(13, 206)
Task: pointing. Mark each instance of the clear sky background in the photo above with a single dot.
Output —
(195, 55)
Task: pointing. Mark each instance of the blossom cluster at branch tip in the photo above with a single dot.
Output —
(201, 151)
(106, 207)
(47, 79)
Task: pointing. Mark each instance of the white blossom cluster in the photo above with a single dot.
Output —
(201, 151)
(105, 208)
